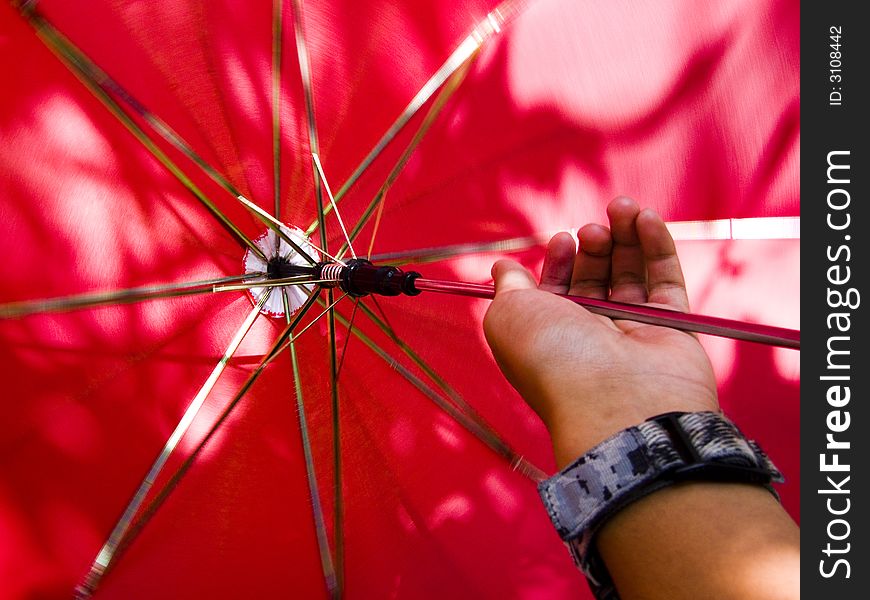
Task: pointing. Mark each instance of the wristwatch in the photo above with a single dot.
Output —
(637, 461)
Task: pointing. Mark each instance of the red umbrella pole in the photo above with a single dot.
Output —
(738, 330)
(359, 277)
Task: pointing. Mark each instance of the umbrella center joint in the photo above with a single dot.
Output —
(285, 261)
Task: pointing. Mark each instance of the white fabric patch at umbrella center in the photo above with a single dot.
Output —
(274, 247)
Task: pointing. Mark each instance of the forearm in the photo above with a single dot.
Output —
(703, 540)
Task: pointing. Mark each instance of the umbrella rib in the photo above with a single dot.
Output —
(332, 203)
(104, 88)
(478, 429)
(272, 283)
(116, 537)
(267, 218)
(486, 28)
(313, 321)
(378, 201)
(439, 253)
(326, 561)
(117, 297)
(307, 90)
(277, 32)
(768, 228)
(276, 226)
(347, 339)
(381, 311)
(133, 528)
(314, 147)
(338, 487)
(100, 85)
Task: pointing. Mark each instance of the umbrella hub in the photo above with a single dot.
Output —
(294, 267)
(289, 257)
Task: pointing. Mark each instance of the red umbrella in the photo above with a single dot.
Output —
(137, 137)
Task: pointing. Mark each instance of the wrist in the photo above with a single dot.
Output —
(578, 426)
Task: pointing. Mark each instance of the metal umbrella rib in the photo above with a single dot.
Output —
(23, 308)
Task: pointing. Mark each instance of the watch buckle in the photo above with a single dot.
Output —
(695, 464)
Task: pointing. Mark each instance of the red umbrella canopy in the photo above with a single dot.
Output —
(381, 454)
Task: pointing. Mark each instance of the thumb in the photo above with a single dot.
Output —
(510, 275)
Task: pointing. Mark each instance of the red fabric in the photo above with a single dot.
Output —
(673, 104)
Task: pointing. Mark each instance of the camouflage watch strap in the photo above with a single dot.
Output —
(637, 461)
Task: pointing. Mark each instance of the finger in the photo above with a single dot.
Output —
(556, 273)
(627, 269)
(665, 276)
(511, 275)
(591, 275)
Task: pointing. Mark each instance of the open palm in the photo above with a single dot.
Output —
(588, 376)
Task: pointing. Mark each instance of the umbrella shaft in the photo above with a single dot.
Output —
(739, 330)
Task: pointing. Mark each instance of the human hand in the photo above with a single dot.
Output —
(588, 376)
